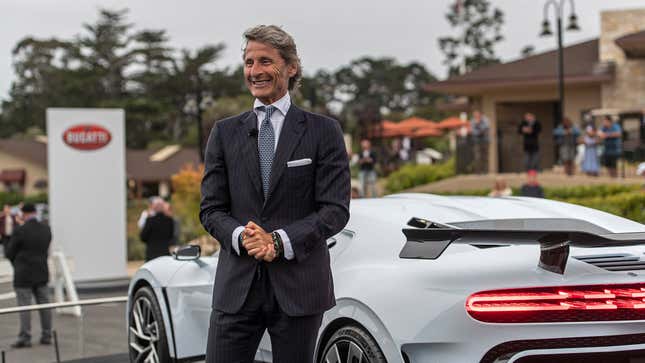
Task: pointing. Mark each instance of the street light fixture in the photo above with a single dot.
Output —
(546, 31)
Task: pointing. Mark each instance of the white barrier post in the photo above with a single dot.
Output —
(63, 279)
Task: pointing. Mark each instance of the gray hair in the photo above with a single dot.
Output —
(280, 40)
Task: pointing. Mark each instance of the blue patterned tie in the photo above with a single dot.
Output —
(266, 146)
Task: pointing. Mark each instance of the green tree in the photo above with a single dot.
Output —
(371, 88)
(478, 29)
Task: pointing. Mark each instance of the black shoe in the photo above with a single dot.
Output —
(46, 341)
(21, 344)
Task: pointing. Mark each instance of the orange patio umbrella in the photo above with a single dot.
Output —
(452, 123)
(426, 132)
(416, 123)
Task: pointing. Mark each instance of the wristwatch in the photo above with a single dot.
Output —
(277, 244)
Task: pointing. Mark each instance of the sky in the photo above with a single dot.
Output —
(328, 33)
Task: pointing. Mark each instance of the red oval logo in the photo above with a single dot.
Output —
(87, 137)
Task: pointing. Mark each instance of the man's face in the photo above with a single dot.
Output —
(266, 72)
(606, 122)
(365, 144)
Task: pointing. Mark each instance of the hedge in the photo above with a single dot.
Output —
(411, 175)
(15, 198)
(627, 201)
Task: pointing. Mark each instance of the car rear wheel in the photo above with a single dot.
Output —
(351, 344)
(146, 332)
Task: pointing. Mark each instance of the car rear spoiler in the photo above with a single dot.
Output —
(430, 243)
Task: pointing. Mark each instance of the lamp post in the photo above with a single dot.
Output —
(558, 6)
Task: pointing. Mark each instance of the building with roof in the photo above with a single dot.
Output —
(23, 167)
(602, 76)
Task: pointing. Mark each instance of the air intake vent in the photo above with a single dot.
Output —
(614, 262)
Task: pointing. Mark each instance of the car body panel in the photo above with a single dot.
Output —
(415, 305)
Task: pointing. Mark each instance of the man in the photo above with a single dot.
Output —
(530, 130)
(479, 133)
(27, 250)
(7, 225)
(566, 137)
(367, 172)
(158, 231)
(532, 188)
(148, 212)
(276, 185)
(611, 134)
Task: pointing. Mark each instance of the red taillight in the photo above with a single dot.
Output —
(559, 304)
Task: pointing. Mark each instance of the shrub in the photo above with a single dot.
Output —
(185, 201)
(136, 248)
(588, 191)
(15, 198)
(411, 175)
(627, 201)
(630, 205)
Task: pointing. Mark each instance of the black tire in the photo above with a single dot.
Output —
(146, 330)
(351, 344)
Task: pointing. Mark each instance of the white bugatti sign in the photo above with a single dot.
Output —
(87, 190)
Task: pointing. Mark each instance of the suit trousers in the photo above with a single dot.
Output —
(23, 297)
(234, 338)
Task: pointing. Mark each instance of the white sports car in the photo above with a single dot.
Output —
(425, 278)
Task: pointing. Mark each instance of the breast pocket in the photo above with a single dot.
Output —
(300, 179)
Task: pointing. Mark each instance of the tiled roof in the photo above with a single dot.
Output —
(139, 165)
(580, 65)
(633, 44)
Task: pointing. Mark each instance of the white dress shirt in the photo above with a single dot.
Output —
(277, 121)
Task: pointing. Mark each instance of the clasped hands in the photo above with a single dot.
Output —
(258, 242)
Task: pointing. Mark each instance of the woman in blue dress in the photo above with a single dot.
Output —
(590, 164)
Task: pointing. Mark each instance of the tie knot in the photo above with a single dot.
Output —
(268, 111)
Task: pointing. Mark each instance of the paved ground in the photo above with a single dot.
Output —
(101, 331)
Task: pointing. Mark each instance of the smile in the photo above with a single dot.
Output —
(261, 83)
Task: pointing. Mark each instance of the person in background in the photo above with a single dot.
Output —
(532, 187)
(640, 170)
(590, 164)
(530, 129)
(479, 129)
(27, 250)
(7, 224)
(611, 134)
(157, 232)
(148, 212)
(566, 137)
(176, 231)
(367, 169)
(500, 189)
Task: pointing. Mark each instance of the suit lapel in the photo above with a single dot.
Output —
(249, 149)
(292, 129)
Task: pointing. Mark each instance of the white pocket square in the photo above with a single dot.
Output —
(300, 162)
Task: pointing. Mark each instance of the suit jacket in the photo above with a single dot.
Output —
(309, 202)
(157, 234)
(27, 250)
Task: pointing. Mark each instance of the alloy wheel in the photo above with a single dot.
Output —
(144, 332)
(345, 351)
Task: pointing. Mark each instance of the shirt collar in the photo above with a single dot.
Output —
(282, 104)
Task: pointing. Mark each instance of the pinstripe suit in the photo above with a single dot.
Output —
(310, 203)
